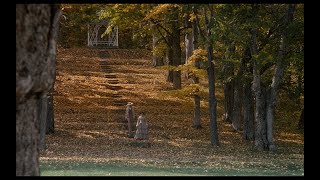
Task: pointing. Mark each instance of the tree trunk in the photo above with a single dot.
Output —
(169, 59)
(260, 138)
(228, 83)
(248, 113)
(27, 139)
(278, 72)
(176, 79)
(196, 112)
(194, 47)
(212, 100)
(301, 120)
(50, 116)
(238, 95)
(247, 96)
(214, 139)
(228, 92)
(188, 38)
(188, 45)
(261, 141)
(156, 60)
(176, 48)
(236, 111)
(196, 98)
(42, 116)
(299, 89)
(36, 27)
(270, 118)
(194, 36)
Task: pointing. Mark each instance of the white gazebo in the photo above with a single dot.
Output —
(96, 29)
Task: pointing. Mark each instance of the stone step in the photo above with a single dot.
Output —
(119, 102)
(103, 54)
(105, 67)
(107, 71)
(103, 62)
(110, 76)
(113, 81)
(116, 95)
(114, 87)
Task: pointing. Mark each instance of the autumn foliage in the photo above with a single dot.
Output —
(90, 99)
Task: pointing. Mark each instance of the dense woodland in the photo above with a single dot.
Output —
(253, 52)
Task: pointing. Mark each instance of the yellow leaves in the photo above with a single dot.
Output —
(198, 54)
(66, 7)
(192, 17)
(116, 6)
(158, 10)
(125, 8)
(160, 49)
(201, 73)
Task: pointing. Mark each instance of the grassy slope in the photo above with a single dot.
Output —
(89, 113)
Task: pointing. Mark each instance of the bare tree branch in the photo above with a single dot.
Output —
(163, 37)
(159, 25)
(197, 22)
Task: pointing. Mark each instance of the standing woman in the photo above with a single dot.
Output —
(142, 128)
(130, 117)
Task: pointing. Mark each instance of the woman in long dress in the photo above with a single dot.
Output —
(142, 128)
(130, 117)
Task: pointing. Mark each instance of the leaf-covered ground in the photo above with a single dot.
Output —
(91, 91)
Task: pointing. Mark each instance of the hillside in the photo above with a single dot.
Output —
(91, 91)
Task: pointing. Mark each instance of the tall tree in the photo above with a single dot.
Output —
(260, 133)
(176, 48)
(35, 68)
(248, 112)
(265, 96)
(229, 35)
(191, 45)
(278, 73)
(196, 98)
(228, 84)
(248, 100)
(188, 37)
(156, 59)
(240, 83)
(237, 93)
(207, 36)
(167, 18)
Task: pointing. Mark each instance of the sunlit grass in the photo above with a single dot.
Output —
(119, 169)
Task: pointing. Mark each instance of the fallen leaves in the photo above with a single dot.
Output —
(90, 127)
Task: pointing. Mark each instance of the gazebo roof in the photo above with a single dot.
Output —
(100, 21)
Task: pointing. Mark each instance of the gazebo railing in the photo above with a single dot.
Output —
(94, 39)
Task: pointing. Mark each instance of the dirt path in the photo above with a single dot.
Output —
(91, 91)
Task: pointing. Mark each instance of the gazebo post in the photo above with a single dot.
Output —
(97, 30)
(117, 43)
(88, 34)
